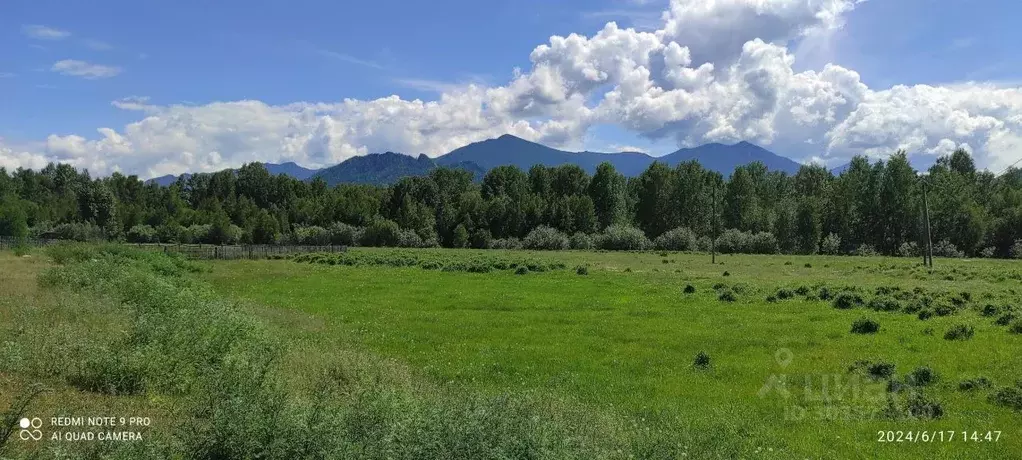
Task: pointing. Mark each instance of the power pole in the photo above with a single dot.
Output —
(713, 224)
(928, 253)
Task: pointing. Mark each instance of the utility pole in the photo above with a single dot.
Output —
(928, 252)
(713, 224)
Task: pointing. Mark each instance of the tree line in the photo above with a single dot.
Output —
(869, 208)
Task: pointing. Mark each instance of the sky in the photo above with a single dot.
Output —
(161, 87)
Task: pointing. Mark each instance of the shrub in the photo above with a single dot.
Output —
(546, 238)
(345, 235)
(1016, 250)
(701, 361)
(619, 237)
(727, 273)
(381, 232)
(409, 239)
(865, 326)
(945, 249)
(1010, 397)
(732, 241)
(884, 304)
(77, 231)
(973, 384)
(581, 241)
(866, 250)
(831, 245)
(679, 239)
(1005, 319)
(197, 233)
(704, 244)
(689, 289)
(312, 236)
(875, 370)
(481, 239)
(919, 406)
(988, 252)
(846, 300)
(582, 270)
(960, 332)
(990, 310)
(727, 295)
(762, 243)
(522, 270)
(909, 249)
(922, 376)
(784, 294)
(142, 234)
(1016, 327)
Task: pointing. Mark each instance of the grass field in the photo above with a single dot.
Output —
(622, 340)
(466, 354)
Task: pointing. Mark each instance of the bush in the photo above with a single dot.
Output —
(875, 370)
(919, 406)
(846, 300)
(381, 232)
(409, 239)
(198, 233)
(582, 270)
(311, 236)
(866, 250)
(342, 234)
(142, 234)
(973, 384)
(945, 249)
(522, 270)
(1016, 327)
(988, 252)
(831, 245)
(581, 241)
(689, 289)
(884, 304)
(619, 237)
(922, 376)
(169, 232)
(1005, 319)
(679, 239)
(77, 231)
(545, 238)
(762, 243)
(704, 244)
(481, 239)
(1016, 250)
(865, 326)
(960, 332)
(701, 361)
(1010, 397)
(909, 249)
(727, 295)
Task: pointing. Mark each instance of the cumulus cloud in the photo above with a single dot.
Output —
(84, 69)
(44, 33)
(717, 70)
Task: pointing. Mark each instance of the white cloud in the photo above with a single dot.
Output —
(714, 71)
(44, 33)
(84, 69)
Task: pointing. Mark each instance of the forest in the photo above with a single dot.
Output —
(869, 208)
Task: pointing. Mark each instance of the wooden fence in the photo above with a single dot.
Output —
(257, 251)
(200, 251)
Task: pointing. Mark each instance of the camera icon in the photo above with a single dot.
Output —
(30, 429)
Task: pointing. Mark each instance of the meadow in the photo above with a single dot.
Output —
(454, 353)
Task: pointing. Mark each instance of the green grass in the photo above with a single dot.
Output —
(621, 341)
(386, 353)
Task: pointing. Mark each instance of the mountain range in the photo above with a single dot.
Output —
(479, 157)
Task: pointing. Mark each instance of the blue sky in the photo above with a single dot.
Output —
(63, 64)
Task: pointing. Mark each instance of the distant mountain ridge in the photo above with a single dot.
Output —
(479, 157)
(387, 168)
(290, 169)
